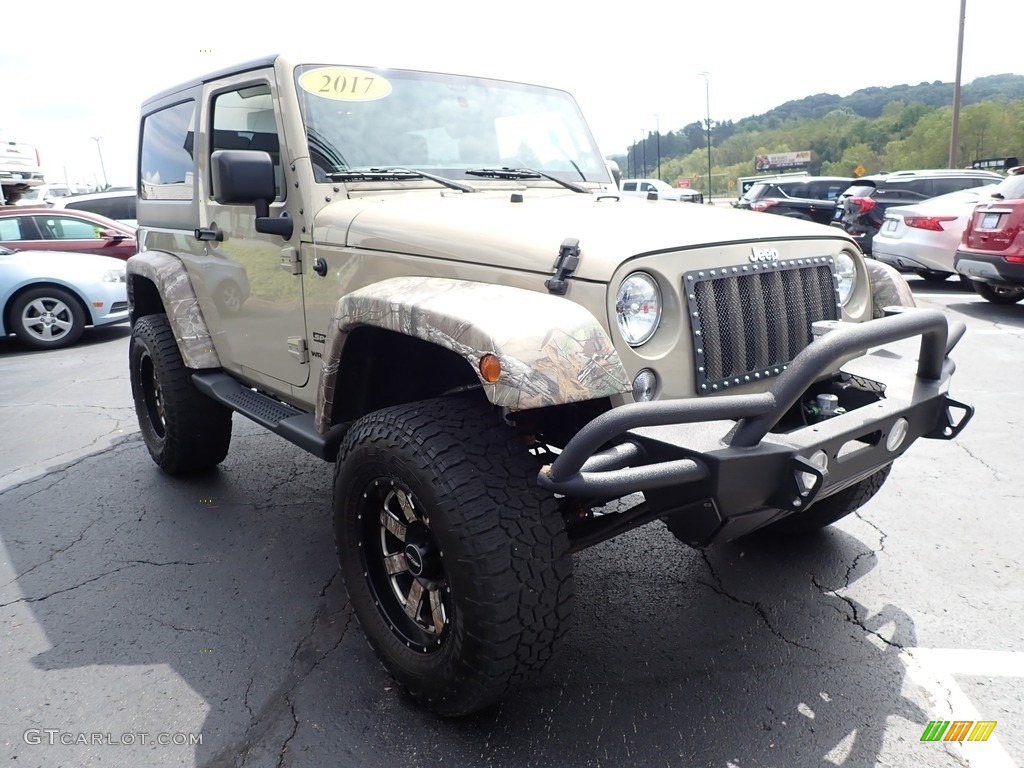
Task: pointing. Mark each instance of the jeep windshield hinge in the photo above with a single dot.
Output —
(298, 348)
(565, 264)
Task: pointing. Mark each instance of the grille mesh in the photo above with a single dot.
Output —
(753, 322)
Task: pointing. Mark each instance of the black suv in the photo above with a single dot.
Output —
(861, 208)
(812, 198)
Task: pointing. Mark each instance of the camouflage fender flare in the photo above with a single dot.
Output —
(888, 288)
(168, 274)
(552, 351)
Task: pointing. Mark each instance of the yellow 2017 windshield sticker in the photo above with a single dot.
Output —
(344, 84)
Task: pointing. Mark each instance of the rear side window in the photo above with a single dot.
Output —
(945, 186)
(10, 228)
(755, 191)
(165, 162)
(111, 207)
(629, 186)
(823, 190)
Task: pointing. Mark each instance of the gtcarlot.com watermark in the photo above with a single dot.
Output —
(53, 736)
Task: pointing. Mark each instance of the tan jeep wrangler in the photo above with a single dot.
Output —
(432, 282)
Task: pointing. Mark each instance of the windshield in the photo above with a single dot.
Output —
(369, 118)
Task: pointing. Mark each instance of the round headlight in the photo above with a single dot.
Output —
(846, 276)
(638, 308)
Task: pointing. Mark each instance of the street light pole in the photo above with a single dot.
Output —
(643, 142)
(657, 127)
(707, 105)
(954, 132)
(103, 168)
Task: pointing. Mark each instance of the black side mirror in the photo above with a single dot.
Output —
(242, 176)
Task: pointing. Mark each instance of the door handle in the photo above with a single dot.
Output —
(213, 232)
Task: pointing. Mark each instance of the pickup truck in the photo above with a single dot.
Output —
(656, 189)
(19, 170)
(451, 302)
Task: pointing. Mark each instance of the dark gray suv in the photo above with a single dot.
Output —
(860, 210)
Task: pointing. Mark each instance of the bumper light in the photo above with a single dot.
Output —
(897, 434)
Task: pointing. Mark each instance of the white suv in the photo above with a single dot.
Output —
(114, 204)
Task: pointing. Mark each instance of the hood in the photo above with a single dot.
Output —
(493, 228)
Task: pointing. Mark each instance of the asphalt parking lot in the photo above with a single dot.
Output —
(151, 621)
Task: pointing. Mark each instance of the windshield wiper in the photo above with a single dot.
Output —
(524, 173)
(382, 174)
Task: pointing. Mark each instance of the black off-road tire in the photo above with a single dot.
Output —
(833, 508)
(998, 294)
(184, 430)
(451, 481)
(46, 317)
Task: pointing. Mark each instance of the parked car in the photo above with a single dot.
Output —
(812, 198)
(991, 253)
(923, 238)
(117, 205)
(44, 195)
(861, 209)
(19, 170)
(35, 229)
(663, 191)
(47, 298)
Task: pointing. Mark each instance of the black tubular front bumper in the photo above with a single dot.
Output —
(716, 461)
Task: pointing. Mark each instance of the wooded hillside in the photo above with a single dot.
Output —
(873, 129)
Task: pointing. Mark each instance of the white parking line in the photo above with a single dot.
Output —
(933, 669)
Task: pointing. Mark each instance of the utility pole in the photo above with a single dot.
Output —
(657, 125)
(707, 104)
(954, 136)
(103, 168)
(643, 139)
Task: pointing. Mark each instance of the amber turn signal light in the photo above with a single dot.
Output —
(490, 368)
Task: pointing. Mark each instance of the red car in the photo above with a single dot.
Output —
(38, 229)
(991, 253)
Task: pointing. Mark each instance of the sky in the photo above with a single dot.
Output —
(633, 67)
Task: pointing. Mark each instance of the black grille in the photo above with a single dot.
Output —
(750, 321)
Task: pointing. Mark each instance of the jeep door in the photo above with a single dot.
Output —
(249, 275)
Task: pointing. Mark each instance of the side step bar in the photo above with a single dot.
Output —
(293, 425)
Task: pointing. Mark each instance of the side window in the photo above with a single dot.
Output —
(10, 228)
(166, 159)
(629, 186)
(102, 207)
(944, 186)
(646, 186)
(65, 228)
(244, 119)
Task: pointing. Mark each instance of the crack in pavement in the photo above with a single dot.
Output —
(129, 564)
(295, 729)
(985, 464)
(882, 536)
(116, 438)
(53, 554)
(321, 640)
(758, 609)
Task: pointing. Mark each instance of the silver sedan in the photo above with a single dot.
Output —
(47, 298)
